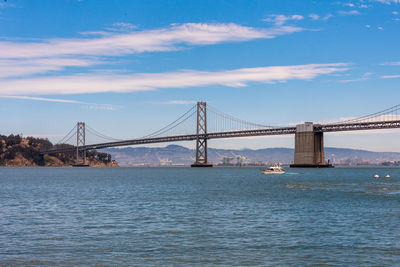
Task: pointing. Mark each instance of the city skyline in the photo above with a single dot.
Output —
(140, 66)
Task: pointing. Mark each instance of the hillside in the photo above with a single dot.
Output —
(18, 151)
(178, 155)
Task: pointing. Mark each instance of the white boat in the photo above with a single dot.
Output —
(276, 169)
(376, 176)
(387, 176)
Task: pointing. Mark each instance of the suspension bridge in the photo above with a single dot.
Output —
(203, 122)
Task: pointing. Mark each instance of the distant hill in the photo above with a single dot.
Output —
(178, 155)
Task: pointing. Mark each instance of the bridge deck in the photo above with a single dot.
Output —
(359, 126)
(232, 134)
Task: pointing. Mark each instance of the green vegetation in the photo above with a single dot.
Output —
(18, 151)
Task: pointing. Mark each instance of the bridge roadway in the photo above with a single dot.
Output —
(232, 134)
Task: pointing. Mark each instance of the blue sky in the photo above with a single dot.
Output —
(127, 68)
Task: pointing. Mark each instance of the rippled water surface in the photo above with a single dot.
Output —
(212, 216)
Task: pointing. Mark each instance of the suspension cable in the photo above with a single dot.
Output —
(171, 125)
(62, 140)
(66, 141)
(166, 130)
(371, 116)
(229, 117)
(98, 134)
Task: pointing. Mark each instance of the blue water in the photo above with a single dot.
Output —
(184, 216)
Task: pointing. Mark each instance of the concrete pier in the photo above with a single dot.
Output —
(309, 147)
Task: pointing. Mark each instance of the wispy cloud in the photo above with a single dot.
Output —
(58, 100)
(391, 63)
(390, 76)
(355, 4)
(282, 19)
(327, 17)
(318, 17)
(348, 13)
(387, 2)
(100, 83)
(166, 39)
(364, 77)
(95, 106)
(313, 16)
(17, 67)
(42, 99)
(122, 27)
(18, 58)
(5, 5)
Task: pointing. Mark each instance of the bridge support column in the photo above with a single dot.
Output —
(309, 147)
(201, 141)
(80, 141)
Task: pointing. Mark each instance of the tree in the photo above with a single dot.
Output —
(13, 140)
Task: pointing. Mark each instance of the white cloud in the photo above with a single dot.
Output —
(19, 58)
(100, 83)
(18, 67)
(42, 99)
(364, 77)
(348, 13)
(58, 100)
(368, 26)
(327, 17)
(355, 4)
(282, 19)
(166, 39)
(95, 106)
(96, 33)
(390, 76)
(387, 2)
(395, 13)
(380, 28)
(391, 64)
(318, 17)
(122, 26)
(313, 16)
(5, 5)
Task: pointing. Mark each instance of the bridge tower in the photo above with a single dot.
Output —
(201, 140)
(80, 141)
(309, 147)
